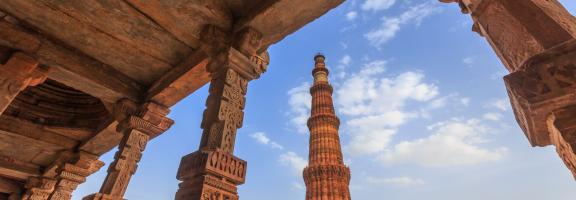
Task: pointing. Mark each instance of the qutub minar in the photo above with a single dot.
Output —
(326, 176)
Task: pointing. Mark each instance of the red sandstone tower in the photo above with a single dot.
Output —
(326, 176)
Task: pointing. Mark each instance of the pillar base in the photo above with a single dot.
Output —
(210, 175)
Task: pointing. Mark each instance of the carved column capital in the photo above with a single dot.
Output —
(38, 188)
(138, 124)
(19, 72)
(71, 171)
(150, 118)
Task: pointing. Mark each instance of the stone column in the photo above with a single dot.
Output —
(213, 172)
(138, 125)
(19, 72)
(72, 173)
(62, 177)
(536, 41)
(39, 188)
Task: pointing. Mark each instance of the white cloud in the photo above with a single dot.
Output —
(374, 105)
(376, 5)
(465, 101)
(261, 138)
(373, 133)
(294, 161)
(300, 103)
(492, 116)
(345, 61)
(298, 186)
(453, 143)
(351, 16)
(499, 74)
(391, 25)
(364, 93)
(469, 60)
(500, 104)
(403, 181)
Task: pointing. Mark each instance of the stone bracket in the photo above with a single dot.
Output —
(538, 90)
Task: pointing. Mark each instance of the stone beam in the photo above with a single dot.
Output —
(71, 67)
(104, 139)
(288, 15)
(182, 80)
(19, 170)
(30, 130)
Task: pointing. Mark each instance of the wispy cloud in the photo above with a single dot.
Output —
(392, 25)
(502, 104)
(294, 161)
(402, 181)
(376, 5)
(261, 138)
(453, 143)
(374, 105)
(300, 103)
(351, 16)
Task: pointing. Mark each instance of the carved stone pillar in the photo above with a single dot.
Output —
(138, 126)
(72, 173)
(39, 188)
(19, 72)
(62, 177)
(213, 172)
(536, 41)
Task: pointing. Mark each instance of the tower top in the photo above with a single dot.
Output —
(319, 58)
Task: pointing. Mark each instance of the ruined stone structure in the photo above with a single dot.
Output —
(326, 176)
(78, 78)
(536, 41)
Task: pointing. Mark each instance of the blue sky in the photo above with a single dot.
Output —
(423, 106)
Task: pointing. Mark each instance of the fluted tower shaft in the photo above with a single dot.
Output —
(326, 176)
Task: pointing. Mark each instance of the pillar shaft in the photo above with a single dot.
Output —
(213, 172)
(138, 126)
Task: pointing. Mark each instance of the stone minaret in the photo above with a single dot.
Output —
(326, 176)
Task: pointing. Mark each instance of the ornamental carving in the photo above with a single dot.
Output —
(224, 112)
(138, 127)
